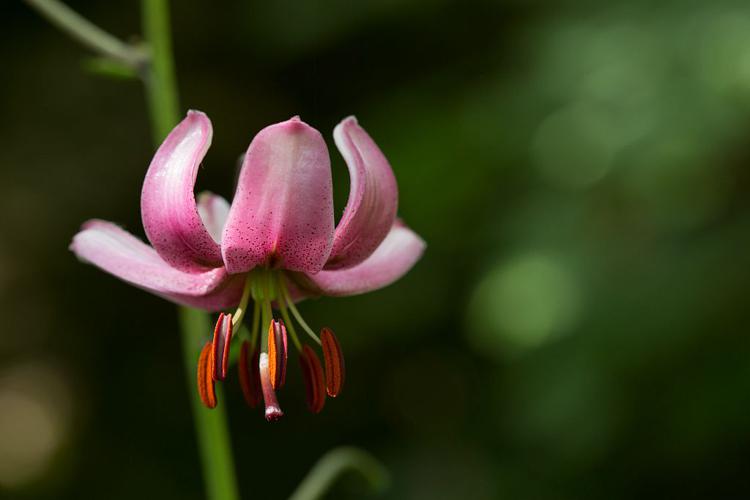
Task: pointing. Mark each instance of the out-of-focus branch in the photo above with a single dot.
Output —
(89, 34)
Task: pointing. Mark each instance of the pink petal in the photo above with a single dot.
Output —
(282, 212)
(373, 197)
(400, 250)
(118, 252)
(168, 208)
(213, 210)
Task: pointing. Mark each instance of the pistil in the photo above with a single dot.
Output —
(273, 411)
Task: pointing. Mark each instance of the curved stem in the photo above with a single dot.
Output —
(333, 464)
(87, 33)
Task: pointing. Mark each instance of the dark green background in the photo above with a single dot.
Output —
(578, 327)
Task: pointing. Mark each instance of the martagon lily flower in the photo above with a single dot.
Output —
(276, 244)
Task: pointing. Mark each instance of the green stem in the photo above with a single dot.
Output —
(160, 80)
(210, 425)
(87, 33)
(334, 463)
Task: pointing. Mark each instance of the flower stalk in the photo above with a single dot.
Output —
(211, 427)
(154, 63)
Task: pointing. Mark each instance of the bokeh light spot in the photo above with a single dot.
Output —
(34, 421)
(574, 147)
(522, 303)
(724, 51)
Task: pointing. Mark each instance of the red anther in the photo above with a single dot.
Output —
(333, 359)
(206, 387)
(249, 375)
(273, 411)
(221, 344)
(277, 353)
(312, 374)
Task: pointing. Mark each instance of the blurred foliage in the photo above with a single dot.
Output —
(576, 329)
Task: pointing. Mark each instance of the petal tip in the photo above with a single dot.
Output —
(200, 117)
(196, 113)
(295, 126)
(347, 122)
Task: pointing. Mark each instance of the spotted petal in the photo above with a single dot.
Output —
(168, 207)
(282, 212)
(400, 250)
(373, 197)
(118, 252)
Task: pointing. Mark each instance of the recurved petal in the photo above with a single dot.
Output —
(282, 211)
(400, 250)
(118, 252)
(168, 208)
(213, 210)
(373, 197)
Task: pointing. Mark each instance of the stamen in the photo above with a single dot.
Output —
(312, 374)
(221, 344)
(285, 314)
(277, 353)
(256, 324)
(273, 411)
(242, 307)
(206, 388)
(249, 375)
(288, 300)
(334, 362)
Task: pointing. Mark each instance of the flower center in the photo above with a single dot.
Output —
(263, 351)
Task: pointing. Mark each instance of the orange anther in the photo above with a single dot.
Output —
(333, 359)
(206, 387)
(277, 353)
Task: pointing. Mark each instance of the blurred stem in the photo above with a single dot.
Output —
(87, 33)
(210, 425)
(336, 462)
